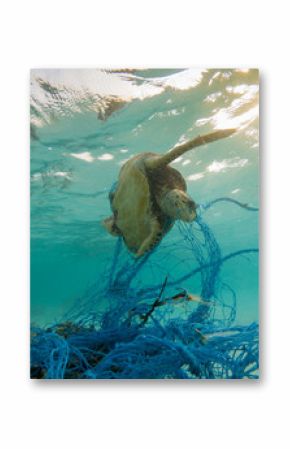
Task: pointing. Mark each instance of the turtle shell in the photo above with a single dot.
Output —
(131, 203)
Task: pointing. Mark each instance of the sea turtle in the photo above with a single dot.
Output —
(150, 195)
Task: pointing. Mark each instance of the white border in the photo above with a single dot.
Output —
(144, 414)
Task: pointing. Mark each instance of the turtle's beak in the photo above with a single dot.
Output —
(191, 205)
(192, 210)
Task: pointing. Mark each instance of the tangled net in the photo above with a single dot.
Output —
(136, 326)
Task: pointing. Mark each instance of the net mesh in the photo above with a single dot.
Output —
(142, 320)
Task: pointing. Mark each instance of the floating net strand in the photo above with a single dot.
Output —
(145, 322)
(229, 200)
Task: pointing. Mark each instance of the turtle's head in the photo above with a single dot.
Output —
(178, 205)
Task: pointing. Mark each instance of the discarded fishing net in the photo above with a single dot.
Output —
(141, 321)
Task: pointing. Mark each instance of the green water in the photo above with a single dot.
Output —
(86, 123)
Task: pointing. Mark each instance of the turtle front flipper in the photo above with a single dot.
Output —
(153, 238)
(157, 161)
(110, 224)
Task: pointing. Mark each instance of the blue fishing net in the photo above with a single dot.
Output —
(141, 321)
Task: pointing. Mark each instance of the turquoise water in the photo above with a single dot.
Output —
(86, 123)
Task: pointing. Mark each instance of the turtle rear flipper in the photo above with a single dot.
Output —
(110, 224)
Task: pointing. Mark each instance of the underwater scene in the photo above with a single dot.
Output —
(144, 223)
